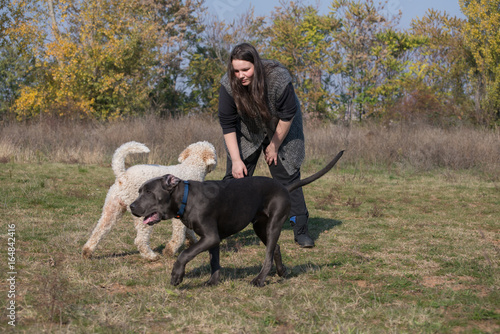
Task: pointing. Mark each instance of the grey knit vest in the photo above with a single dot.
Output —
(251, 133)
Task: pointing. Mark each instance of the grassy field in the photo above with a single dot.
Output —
(397, 251)
(407, 232)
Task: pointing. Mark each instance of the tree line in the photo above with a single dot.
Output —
(108, 59)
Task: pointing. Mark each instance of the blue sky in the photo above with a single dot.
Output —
(228, 9)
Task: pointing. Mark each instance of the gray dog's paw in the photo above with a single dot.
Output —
(214, 279)
(257, 282)
(177, 276)
(282, 272)
(175, 280)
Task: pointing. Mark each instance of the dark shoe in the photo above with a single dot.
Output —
(300, 231)
(304, 241)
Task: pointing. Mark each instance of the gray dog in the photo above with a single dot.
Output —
(218, 209)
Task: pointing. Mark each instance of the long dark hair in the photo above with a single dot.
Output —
(250, 100)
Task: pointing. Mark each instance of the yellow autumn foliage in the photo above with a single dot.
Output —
(97, 60)
(482, 38)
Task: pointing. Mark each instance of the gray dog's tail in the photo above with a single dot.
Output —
(317, 175)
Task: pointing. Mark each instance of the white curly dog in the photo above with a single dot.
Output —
(196, 161)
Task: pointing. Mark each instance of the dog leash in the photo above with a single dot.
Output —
(180, 213)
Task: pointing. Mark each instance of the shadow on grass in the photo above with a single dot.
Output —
(114, 255)
(317, 226)
(320, 225)
(248, 273)
(248, 237)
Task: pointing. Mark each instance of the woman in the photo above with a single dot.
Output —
(259, 111)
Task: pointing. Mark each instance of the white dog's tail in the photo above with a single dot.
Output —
(118, 162)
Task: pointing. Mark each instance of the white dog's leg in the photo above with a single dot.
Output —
(178, 237)
(191, 236)
(112, 211)
(142, 240)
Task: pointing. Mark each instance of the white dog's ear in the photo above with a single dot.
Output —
(184, 154)
(210, 162)
(170, 181)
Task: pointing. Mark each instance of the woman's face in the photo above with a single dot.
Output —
(243, 70)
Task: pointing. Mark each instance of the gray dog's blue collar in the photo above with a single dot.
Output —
(180, 213)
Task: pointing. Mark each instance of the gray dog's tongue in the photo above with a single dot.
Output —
(152, 218)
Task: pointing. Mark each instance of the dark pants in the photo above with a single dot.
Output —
(279, 173)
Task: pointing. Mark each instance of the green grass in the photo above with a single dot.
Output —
(396, 252)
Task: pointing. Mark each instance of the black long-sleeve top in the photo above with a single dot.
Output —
(286, 106)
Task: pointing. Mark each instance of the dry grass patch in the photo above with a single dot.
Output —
(396, 147)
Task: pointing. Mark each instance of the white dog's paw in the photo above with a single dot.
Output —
(151, 256)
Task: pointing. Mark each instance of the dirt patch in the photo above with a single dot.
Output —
(362, 284)
(116, 288)
(450, 282)
(487, 326)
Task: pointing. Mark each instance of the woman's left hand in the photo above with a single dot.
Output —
(271, 154)
(271, 151)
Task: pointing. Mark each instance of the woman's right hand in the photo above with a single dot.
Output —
(239, 169)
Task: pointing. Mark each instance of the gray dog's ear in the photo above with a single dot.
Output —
(170, 181)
